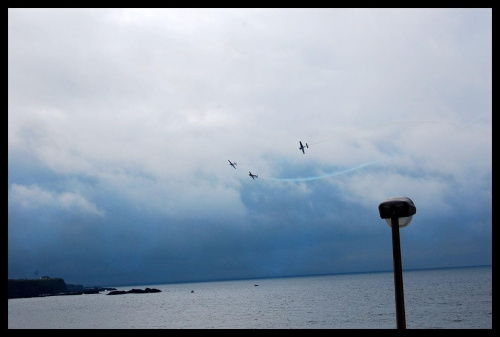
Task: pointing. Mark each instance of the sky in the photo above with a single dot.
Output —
(122, 123)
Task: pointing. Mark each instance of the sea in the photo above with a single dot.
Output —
(453, 298)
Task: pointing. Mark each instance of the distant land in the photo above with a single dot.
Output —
(48, 286)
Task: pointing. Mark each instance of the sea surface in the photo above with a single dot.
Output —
(456, 298)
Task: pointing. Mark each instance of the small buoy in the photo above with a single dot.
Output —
(192, 291)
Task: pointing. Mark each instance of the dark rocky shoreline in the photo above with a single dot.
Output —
(134, 291)
(47, 286)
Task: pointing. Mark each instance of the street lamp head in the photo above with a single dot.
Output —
(399, 207)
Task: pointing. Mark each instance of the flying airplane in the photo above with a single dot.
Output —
(232, 164)
(253, 176)
(302, 147)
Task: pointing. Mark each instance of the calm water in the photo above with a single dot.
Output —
(434, 299)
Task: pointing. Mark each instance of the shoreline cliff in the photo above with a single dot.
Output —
(47, 286)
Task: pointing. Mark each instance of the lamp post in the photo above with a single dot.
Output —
(398, 212)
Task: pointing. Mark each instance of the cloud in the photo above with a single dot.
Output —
(121, 122)
(35, 197)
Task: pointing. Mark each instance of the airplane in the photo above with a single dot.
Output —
(253, 176)
(232, 164)
(302, 147)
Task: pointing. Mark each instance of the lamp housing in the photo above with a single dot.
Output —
(402, 208)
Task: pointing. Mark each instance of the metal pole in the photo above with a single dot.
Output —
(398, 274)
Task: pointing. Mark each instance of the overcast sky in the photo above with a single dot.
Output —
(121, 123)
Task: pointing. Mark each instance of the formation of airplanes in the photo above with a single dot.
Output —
(253, 176)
